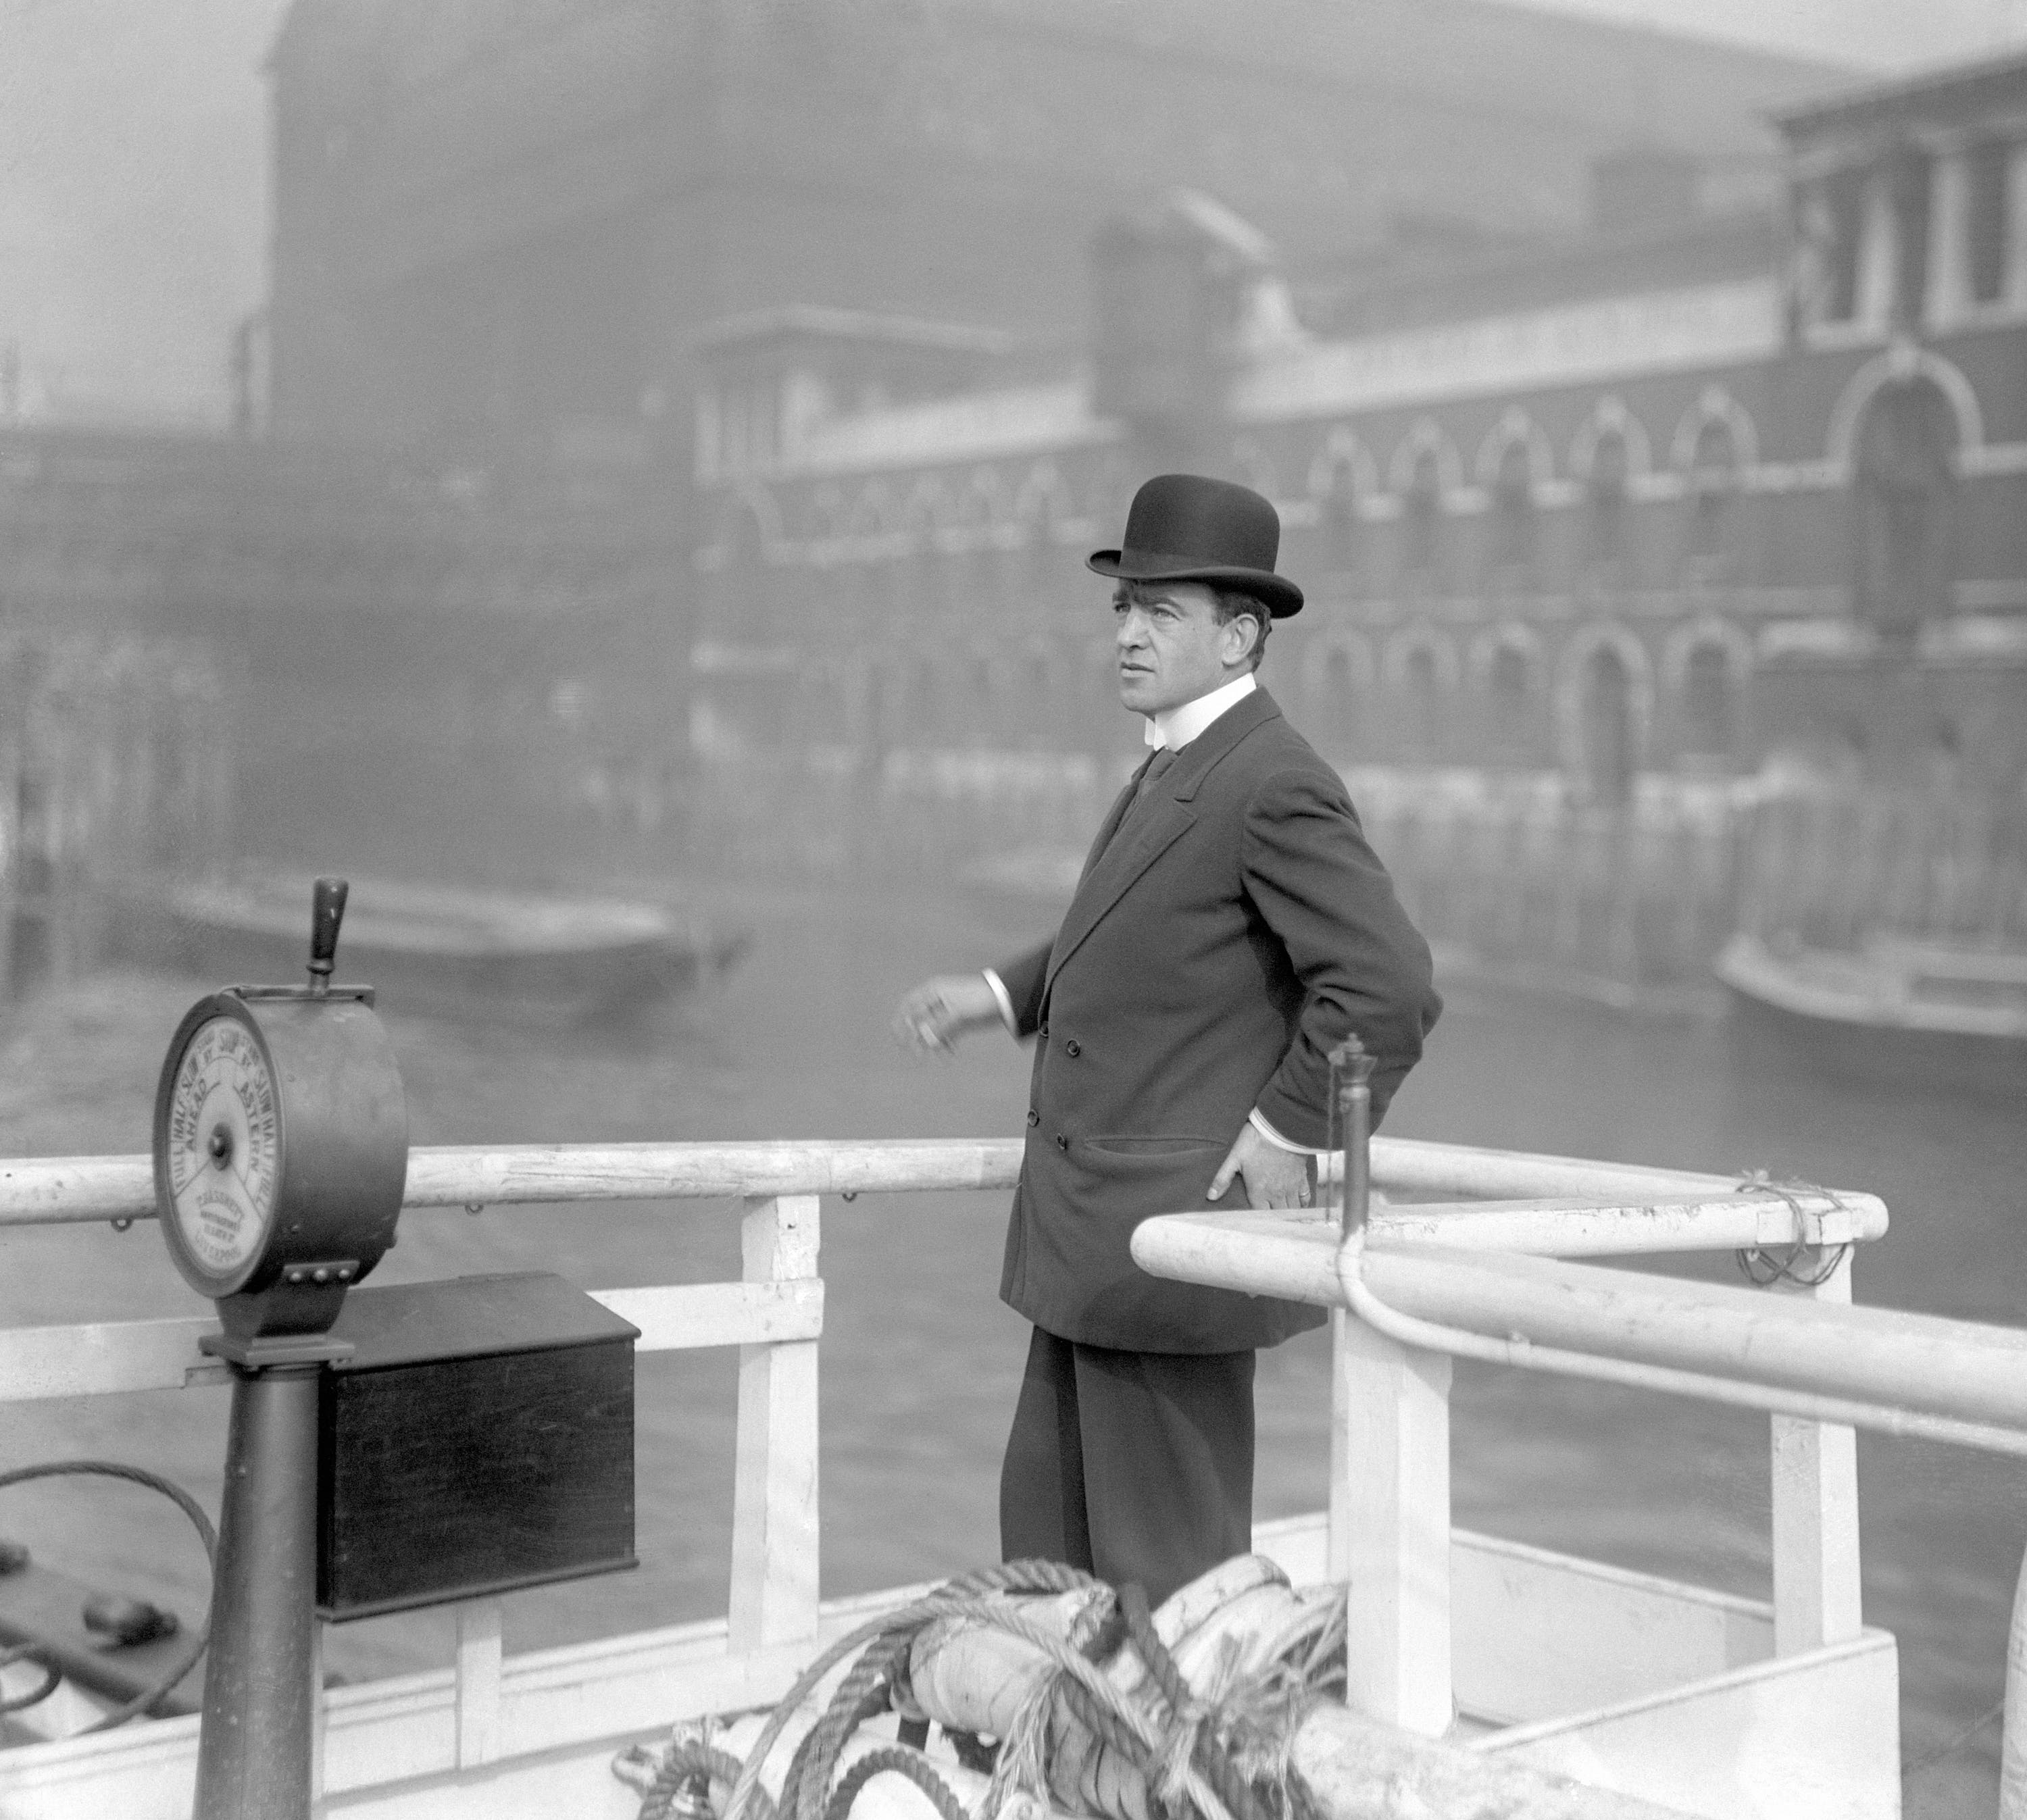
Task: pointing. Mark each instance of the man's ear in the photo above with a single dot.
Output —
(1248, 642)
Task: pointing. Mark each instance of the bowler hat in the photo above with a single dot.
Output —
(1183, 527)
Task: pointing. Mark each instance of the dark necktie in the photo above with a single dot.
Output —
(1164, 757)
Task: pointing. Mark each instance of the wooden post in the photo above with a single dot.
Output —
(2013, 1747)
(1389, 1524)
(774, 1578)
(1818, 1587)
(320, 1716)
(478, 1671)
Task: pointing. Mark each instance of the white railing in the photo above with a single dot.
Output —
(1389, 1412)
(1899, 1373)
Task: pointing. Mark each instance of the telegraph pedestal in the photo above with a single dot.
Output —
(281, 1146)
(408, 1447)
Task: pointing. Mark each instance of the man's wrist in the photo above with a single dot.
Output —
(1258, 1120)
(1003, 1000)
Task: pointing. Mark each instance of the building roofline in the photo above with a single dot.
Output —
(1901, 90)
(819, 322)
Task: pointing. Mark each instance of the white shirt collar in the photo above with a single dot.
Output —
(1177, 726)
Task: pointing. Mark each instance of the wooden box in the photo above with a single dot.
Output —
(479, 1438)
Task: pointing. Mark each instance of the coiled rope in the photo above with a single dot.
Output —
(145, 1699)
(1807, 1263)
(1224, 1754)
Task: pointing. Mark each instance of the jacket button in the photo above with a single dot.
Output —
(1062, 1143)
(1072, 1047)
(1034, 1117)
(1045, 1028)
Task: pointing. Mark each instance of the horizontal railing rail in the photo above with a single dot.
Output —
(1890, 1369)
(1701, 1210)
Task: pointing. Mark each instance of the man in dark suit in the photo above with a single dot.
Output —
(1231, 926)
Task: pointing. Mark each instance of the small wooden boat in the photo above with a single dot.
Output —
(1955, 1017)
(521, 958)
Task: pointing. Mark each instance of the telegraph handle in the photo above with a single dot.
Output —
(327, 912)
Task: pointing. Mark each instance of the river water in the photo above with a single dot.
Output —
(919, 1359)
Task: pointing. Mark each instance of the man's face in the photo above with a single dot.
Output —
(1171, 648)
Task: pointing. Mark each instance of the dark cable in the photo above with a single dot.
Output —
(191, 1508)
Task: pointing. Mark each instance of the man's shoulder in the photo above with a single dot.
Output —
(1272, 748)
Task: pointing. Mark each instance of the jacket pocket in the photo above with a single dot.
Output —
(1135, 1146)
(1127, 1178)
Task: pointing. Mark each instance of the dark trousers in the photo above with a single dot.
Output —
(1133, 1466)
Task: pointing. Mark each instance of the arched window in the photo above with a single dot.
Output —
(1709, 707)
(1606, 723)
(1610, 471)
(1422, 516)
(1509, 689)
(1337, 507)
(1903, 503)
(1421, 672)
(1422, 697)
(1513, 506)
(1337, 677)
(1713, 477)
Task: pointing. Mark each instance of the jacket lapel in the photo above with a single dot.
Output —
(1113, 816)
(1119, 856)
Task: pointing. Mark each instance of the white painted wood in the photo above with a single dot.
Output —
(320, 1716)
(1358, 1769)
(1538, 1635)
(2013, 1744)
(1814, 1737)
(680, 1317)
(393, 1745)
(98, 1358)
(1391, 1407)
(775, 1531)
(1895, 1363)
(1818, 1595)
(1337, 1547)
(48, 1190)
(477, 1682)
(454, 1176)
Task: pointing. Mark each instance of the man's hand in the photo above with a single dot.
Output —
(1274, 1177)
(936, 1012)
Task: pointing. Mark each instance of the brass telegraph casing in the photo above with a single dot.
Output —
(281, 1147)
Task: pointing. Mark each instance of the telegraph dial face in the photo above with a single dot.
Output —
(222, 1151)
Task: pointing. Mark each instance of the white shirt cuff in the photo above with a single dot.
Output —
(1003, 1001)
(1271, 1135)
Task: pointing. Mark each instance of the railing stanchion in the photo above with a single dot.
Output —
(2013, 1747)
(1391, 1524)
(479, 1666)
(1818, 1588)
(319, 1715)
(774, 1577)
(1390, 1502)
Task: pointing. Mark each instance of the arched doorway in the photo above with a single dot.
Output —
(1903, 506)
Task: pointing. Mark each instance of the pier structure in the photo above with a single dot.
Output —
(1694, 482)
(1608, 540)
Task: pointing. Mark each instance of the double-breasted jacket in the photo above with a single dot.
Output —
(1231, 928)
